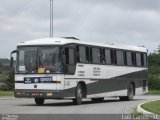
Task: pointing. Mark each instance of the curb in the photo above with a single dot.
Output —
(141, 110)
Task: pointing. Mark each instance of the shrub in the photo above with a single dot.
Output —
(153, 82)
(8, 81)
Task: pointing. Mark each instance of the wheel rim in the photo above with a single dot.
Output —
(130, 90)
(79, 93)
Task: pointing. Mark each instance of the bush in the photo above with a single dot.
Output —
(154, 82)
(8, 81)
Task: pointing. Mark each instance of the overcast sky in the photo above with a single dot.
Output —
(133, 22)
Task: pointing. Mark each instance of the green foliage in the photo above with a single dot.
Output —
(7, 78)
(154, 63)
(8, 81)
(154, 71)
(154, 82)
(4, 65)
(6, 75)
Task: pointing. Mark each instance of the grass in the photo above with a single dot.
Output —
(154, 92)
(6, 93)
(153, 107)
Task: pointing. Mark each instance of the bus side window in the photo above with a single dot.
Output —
(113, 57)
(145, 59)
(102, 56)
(142, 59)
(107, 56)
(133, 58)
(70, 60)
(82, 54)
(67, 55)
(138, 59)
(96, 55)
(71, 56)
(120, 57)
(77, 53)
(125, 57)
(87, 55)
(129, 58)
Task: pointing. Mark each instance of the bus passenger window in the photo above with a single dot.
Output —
(145, 59)
(138, 59)
(82, 54)
(71, 57)
(133, 58)
(87, 55)
(70, 61)
(77, 53)
(113, 57)
(107, 56)
(129, 58)
(142, 59)
(102, 56)
(125, 57)
(120, 59)
(67, 55)
(69, 52)
(96, 55)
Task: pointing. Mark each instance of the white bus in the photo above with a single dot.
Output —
(59, 68)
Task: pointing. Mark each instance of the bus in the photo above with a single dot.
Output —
(68, 68)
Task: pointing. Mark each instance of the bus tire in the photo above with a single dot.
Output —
(130, 93)
(39, 101)
(97, 99)
(78, 95)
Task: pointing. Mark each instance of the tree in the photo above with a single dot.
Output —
(158, 49)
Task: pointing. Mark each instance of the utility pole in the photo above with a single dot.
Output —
(51, 18)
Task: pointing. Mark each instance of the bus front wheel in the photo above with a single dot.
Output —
(78, 95)
(39, 101)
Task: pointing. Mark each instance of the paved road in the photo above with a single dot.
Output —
(109, 106)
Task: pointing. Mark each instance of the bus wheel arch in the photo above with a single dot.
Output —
(84, 89)
(80, 92)
(130, 92)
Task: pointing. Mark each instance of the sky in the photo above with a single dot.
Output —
(131, 22)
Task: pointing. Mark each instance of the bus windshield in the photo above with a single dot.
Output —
(38, 60)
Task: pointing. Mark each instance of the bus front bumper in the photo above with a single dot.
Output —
(48, 94)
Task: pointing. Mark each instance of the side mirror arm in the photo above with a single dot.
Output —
(11, 58)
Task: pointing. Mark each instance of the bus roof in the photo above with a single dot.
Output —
(67, 40)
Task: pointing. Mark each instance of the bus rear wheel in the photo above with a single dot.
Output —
(130, 93)
(39, 101)
(78, 95)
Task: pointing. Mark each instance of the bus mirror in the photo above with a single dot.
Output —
(12, 59)
(64, 59)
